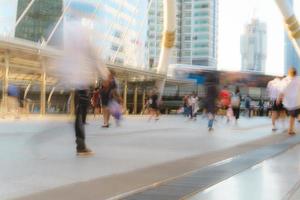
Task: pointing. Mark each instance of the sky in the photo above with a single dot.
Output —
(233, 15)
(8, 10)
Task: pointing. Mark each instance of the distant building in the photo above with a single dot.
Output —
(253, 47)
(39, 21)
(196, 33)
(291, 58)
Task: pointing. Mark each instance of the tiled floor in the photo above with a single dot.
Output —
(254, 175)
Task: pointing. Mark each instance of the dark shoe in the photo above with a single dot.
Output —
(292, 133)
(105, 126)
(85, 152)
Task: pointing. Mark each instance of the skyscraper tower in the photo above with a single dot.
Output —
(39, 21)
(253, 46)
(196, 33)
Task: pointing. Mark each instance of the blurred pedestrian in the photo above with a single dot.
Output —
(248, 105)
(154, 105)
(210, 101)
(106, 94)
(194, 105)
(95, 101)
(261, 107)
(225, 101)
(78, 67)
(236, 103)
(185, 105)
(274, 89)
(115, 107)
(291, 97)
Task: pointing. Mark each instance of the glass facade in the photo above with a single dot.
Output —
(118, 29)
(119, 25)
(39, 21)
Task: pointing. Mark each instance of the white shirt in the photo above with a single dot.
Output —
(274, 89)
(291, 92)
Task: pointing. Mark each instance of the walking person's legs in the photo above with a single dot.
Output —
(105, 117)
(79, 131)
(293, 115)
(157, 114)
(84, 113)
(211, 118)
(151, 113)
(291, 130)
(274, 118)
(81, 148)
(191, 112)
(236, 113)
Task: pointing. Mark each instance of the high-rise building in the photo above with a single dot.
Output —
(196, 33)
(117, 24)
(118, 27)
(291, 57)
(253, 46)
(39, 21)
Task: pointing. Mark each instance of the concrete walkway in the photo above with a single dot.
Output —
(38, 155)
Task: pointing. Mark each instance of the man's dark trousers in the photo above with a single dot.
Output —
(81, 105)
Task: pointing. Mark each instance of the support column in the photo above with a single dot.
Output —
(50, 97)
(168, 41)
(135, 100)
(292, 26)
(5, 82)
(125, 96)
(143, 99)
(26, 102)
(72, 103)
(43, 88)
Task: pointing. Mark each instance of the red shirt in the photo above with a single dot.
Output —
(225, 97)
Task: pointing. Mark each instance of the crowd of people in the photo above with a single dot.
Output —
(105, 99)
(283, 101)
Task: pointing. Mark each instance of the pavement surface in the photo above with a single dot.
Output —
(38, 158)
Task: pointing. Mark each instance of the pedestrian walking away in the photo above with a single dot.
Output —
(291, 97)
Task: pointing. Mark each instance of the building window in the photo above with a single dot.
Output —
(200, 14)
(186, 53)
(201, 29)
(117, 34)
(187, 38)
(114, 47)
